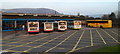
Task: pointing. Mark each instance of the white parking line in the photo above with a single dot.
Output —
(44, 43)
(22, 40)
(28, 43)
(101, 37)
(77, 42)
(111, 36)
(60, 42)
(115, 33)
(115, 30)
(91, 37)
(82, 48)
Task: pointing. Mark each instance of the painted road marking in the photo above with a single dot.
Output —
(77, 49)
(77, 42)
(115, 30)
(14, 45)
(101, 36)
(91, 37)
(44, 43)
(20, 40)
(10, 51)
(6, 45)
(27, 43)
(60, 42)
(115, 33)
(82, 48)
(12, 34)
(111, 36)
(24, 38)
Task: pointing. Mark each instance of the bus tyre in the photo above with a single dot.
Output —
(88, 26)
(101, 27)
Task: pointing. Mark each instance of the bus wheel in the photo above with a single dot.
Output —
(101, 27)
(91, 26)
(88, 26)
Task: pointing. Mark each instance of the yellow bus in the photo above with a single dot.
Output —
(99, 23)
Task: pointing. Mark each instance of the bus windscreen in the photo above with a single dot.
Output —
(48, 25)
(77, 23)
(62, 23)
(33, 25)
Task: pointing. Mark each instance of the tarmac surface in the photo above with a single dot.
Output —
(68, 41)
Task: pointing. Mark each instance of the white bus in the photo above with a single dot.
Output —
(74, 24)
(60, 25)
(48, 26)
(33, 27)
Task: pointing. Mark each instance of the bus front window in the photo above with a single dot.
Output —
(62, 23)
(33, 25)
(77, 23)
(48, 25)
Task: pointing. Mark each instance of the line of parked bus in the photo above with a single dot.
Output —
(52, 26)
(64, 25)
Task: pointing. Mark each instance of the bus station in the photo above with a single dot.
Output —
(74, 39)
(59, 27)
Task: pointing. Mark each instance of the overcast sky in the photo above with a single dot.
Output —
(65, 6)
(59, 0)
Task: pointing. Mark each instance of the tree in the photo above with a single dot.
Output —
(112, 16)
(91, 18)
(119, 14)
(118, 19)
(105, 17)
(97, 18)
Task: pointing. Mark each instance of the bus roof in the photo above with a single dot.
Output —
(98, 20)
(62, 21)
(47, 22)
